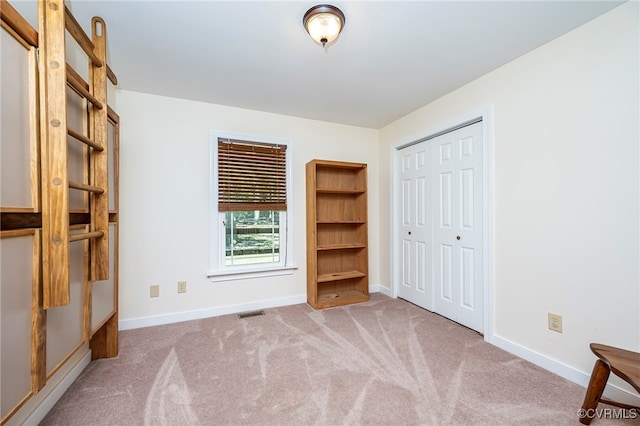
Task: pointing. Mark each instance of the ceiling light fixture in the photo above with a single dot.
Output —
(324, 24)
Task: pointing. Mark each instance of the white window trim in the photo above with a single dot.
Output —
(217, 270)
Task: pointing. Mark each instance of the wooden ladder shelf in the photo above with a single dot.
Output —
(55, 76)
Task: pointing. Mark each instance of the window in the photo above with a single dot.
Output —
(251, 233)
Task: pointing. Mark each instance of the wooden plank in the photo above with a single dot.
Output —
(16, 221)
(99, 160)
(85, 187)
(38, 323)
(76, 82)
(17, 233)
(113, 115)
(16, 36)
(34, 128)
(85, 236)
(18, 24)
(338, 276)
(111, 75)
(114, 119)
(312, 236)
(86, 163)
(55, 193)
(6, 210)
(339, 191)
(340, 298)
(72, 73)
(84, 139)
(345, 246)
(339, 164)
(81, 38)
(104, 343)
(87, 301)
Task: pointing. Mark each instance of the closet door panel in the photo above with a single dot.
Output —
(16, 274)
(15, 161)
(103, 293)
(64, 323)
(112, 166)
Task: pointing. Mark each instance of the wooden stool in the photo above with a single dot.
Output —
(624, 364)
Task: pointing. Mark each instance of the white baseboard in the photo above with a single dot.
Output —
(380, 289)
(570, 373)
(34, 411)
(129, 324)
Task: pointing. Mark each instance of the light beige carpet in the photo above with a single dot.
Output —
(383, 362)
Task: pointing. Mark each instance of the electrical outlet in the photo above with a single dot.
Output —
(154, 291)
(555, 322)
(182, 286)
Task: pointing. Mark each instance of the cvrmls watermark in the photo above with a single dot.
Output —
(609, 413)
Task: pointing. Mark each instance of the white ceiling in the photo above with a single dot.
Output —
(391, 58)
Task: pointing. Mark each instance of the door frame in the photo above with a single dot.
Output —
(486, 115)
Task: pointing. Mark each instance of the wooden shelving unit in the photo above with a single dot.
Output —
(337, 256)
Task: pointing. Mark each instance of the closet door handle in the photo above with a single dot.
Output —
(458, 237)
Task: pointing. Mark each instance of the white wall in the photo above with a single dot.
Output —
(566, 188)
(566, 194)
(164, 202)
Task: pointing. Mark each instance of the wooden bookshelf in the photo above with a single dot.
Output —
(337, 255)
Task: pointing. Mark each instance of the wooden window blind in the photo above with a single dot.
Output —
(251, 176)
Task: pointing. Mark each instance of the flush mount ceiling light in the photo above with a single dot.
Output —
(324, 24)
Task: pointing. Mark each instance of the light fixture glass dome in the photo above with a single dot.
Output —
(324, 24)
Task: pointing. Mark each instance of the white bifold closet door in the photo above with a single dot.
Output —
(440, 187)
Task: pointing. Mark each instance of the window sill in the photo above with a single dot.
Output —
(247, 274)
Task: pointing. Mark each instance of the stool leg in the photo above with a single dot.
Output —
(597, 383)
